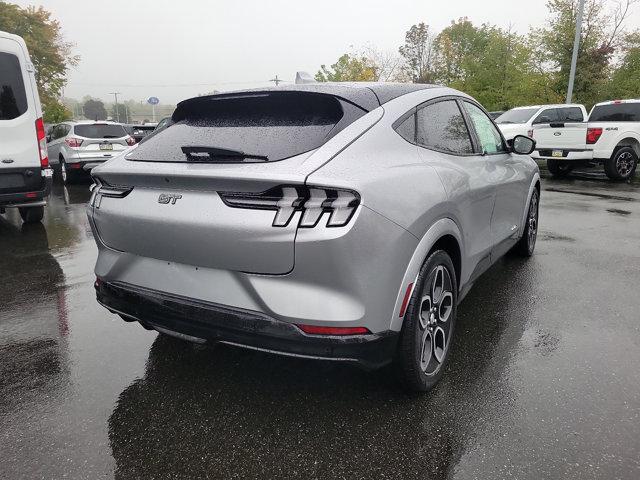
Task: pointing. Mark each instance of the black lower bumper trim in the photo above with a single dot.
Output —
(219, 323)
(28, 195)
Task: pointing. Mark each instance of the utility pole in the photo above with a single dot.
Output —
(576, 47)
(115, 94)
(276, 80)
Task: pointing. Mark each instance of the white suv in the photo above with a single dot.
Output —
(25, 176)
(76, 147)
(521, 120)
(611, 138)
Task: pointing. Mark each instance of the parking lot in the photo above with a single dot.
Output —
(543, 381)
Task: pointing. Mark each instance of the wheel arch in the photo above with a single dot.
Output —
(445, 235)
(629, 141)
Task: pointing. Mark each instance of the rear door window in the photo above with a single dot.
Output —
(550, 115)
(617, 112)
(441, 127)
(100, 130)
(570, 114)
(13, 97)
(250, 127)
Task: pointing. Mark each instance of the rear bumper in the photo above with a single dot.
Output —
(197, 319)
(31, 195)
(567, 154)
(85, 164)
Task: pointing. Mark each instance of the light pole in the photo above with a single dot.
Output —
(576, 47)
(115, 94)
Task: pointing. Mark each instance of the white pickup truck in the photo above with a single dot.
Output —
(610, 137)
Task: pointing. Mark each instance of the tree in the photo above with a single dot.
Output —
(121, 114)
(94, 110)
(625, 81)
(56, 112)
(348, 68)
(50, 54)
(417, 52)
(602, 30)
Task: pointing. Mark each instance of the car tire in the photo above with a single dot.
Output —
(559, 168)
(429, 323)
(68, 177)
(622, 164)
(31, 214)
(527, 243)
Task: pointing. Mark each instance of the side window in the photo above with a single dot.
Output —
(407, 129)
(441, 126)
(490, 139)
(13, 98)
(570, 114)
(55, 132)
(550, 115)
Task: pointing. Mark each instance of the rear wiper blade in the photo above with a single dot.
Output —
(220, 155)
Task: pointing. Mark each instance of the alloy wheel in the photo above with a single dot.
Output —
(624, 164)
(435, 326)
(532, 220)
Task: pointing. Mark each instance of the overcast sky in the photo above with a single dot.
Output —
(176, 49)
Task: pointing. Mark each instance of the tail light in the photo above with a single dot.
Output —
(131, 141)
(593, 134)
(73, 142)
(530, 133)
(313, 202)
(42, 143)
(101, 189)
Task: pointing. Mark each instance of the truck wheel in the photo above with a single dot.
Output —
(559, 169)
(622, 164)
(31, 214)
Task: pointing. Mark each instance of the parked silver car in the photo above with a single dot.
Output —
(330, 221)
(76, 147)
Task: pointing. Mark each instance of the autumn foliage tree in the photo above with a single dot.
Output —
(50, 53)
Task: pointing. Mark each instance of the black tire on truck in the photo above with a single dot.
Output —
(31, 214)
(559, 168)
(622, 164)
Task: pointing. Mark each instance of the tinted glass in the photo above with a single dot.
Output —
(490, 139)
(407, 129)
(550, 115)
(570, 114)
(441, 126)
(100, 130)
(248, 128)
(13, 98)
(620, 112)
(519, 115)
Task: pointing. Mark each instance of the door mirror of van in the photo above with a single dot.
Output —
(523, 145)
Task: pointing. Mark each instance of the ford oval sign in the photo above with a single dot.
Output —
(153, 101)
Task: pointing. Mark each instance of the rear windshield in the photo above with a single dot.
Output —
(520, 115)
(100, 130)
(251, 127)
(618, 112)
(13, 98)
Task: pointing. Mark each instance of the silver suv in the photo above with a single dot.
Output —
(76, 147)
(330, 221)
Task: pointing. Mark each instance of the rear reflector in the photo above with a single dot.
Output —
(31, 194)
(316, 330)
(75, 165)
(405, 301)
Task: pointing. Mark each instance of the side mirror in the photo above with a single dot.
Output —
(523, 145)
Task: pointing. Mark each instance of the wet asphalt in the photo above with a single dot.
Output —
(543, 382)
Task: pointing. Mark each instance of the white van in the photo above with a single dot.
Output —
(25, 176)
